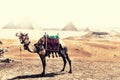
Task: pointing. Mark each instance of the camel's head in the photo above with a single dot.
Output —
(24, 38)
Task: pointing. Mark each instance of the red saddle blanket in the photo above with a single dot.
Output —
(52, 44)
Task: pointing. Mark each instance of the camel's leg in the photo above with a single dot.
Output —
(48, 54)
(69, 61)
(67, 57)
(64, 60)
(43, 59)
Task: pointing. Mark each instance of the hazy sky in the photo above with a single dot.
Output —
(57, 13)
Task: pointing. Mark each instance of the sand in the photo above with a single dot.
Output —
(92, 59)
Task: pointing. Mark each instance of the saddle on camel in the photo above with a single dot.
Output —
(52, 43)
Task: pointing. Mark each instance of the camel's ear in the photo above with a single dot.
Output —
(27, 34)
(16, 34)
(21, 33)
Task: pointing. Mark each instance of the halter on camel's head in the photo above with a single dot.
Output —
(24, 38)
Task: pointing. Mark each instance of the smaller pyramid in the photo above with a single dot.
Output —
(70, 27)
(87, 29)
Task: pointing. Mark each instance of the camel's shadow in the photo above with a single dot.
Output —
(36, 76)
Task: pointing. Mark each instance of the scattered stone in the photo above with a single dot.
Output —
(7, 60)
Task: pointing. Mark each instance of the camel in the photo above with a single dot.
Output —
(40, 49)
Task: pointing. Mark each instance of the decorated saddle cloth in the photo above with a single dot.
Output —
(52, 43)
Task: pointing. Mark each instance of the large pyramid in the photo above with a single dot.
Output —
(24, 23)
(18, 26)
(70, 27)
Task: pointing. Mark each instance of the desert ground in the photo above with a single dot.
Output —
(92, 59)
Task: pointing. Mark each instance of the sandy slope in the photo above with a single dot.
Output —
(84, 49)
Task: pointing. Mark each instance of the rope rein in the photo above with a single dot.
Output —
(21, 61)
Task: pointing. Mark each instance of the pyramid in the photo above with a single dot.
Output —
(87, 29)
(20, 26)
(9, 25)
(70, 27)
(24, 23)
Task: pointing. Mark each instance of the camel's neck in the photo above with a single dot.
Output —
(31, 48)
